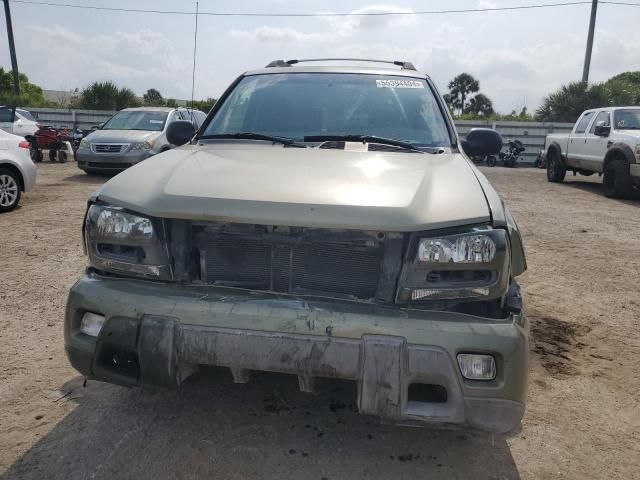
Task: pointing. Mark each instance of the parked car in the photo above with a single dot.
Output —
(323, 222)
(604, 141)
(23, 124)
(130, 136)
(17, 170)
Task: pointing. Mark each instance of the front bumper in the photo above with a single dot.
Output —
(159, 333)
(109, 162)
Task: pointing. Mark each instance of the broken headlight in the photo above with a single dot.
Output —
(462, 266)
(120, 241)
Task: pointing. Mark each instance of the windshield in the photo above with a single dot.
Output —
(298, 105)
(136, 120)
(627, 119)
(26, 114)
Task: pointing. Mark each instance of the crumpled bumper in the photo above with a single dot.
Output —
(157, 333)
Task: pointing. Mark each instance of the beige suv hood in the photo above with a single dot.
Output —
(255, 182)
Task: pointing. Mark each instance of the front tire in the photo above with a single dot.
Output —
(53, 154)
(617, 182)
(9, 190)
(556, 170)
(491, 161)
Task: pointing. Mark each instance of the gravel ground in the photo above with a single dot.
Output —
(582, 419)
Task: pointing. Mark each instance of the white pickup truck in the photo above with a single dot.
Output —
(604, 141)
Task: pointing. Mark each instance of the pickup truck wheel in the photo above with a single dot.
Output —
(9, 190)
(617, 180)
(491, 161)
(555, 168)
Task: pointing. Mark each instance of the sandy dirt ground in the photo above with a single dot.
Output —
(583, 413)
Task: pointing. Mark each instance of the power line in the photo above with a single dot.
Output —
(328, 14)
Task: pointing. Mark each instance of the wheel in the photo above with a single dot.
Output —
(511, 162)
(556, 170)
(33, 153)
(617, 182)
(491, 161)
(62, 156)
(536, 163)
(38, 156)
(9, 190)
(53, 154)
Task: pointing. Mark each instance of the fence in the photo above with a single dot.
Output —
(531, 134)
(59, 117)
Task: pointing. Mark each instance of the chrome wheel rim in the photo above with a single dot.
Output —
(8, 191)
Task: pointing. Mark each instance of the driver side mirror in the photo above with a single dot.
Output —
(602, 129)
(482, 142)
(180, 132)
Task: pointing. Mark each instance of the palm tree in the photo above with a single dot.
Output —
(459, 89)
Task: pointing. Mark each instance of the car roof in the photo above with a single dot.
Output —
(357, 69)
(157, 109)
(611, 109)
(148, 109)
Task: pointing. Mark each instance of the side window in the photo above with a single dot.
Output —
(602, 117)
(583, 123)
(5, 115)
(176, 116)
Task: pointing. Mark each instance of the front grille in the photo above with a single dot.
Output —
(112, 165)
(343, 264)
(109, 147)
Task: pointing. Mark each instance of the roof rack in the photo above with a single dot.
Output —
(289, 63)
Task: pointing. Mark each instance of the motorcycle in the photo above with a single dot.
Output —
(490, 160)
(510, 157)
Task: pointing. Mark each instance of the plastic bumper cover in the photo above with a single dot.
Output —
(163, 342)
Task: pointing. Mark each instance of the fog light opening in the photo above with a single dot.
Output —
(91, 324)
(427, 393)
(477, 366)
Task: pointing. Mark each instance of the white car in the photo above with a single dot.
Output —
(24, 123)
(17, 170)
(604, 141)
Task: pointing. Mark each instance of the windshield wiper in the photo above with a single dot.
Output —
(365, 139)
(255, 136)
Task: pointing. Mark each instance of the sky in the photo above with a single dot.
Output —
(518, 56)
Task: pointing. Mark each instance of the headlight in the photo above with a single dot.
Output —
(84, 143)
(119, 241)
(473, 265)
(141, 146)
(120, 224)
(464, 249)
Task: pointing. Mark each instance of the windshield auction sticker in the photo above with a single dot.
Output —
(399, 84)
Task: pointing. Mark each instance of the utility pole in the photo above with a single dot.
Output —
(587, 56)
(12, 49)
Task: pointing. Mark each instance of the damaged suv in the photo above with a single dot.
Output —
(324, 221)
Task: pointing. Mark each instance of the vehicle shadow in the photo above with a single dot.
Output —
(92, 178)
(264, 429)
(596, 189)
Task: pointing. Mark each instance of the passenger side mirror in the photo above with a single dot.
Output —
(602, 129)
(482, 142)
(180, 132)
